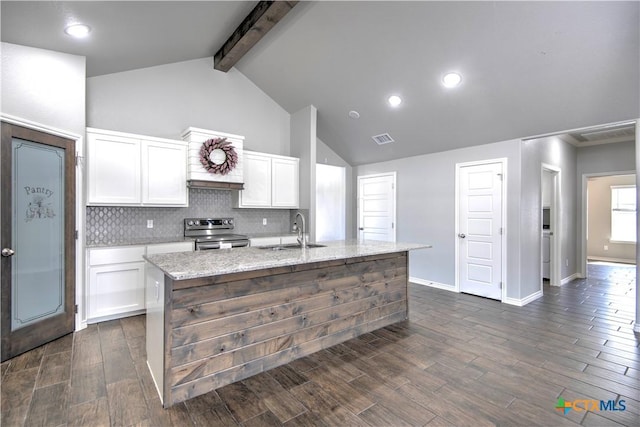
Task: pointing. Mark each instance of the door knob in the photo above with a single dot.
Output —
(361, 228)
(8, 252)
(462, 235)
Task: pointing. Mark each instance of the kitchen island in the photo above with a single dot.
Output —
(216, 317)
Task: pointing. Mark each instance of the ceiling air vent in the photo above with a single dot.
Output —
(383, 138)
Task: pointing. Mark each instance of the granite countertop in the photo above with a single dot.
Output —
(191, 265)
(139, 241)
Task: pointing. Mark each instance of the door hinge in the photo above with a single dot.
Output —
(75, 309)
(393, 186)
(499, 176)
(500, 285)
(501, 231)
(76, 234)
(392, 225)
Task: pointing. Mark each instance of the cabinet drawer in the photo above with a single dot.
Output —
(289, 240)
(165, 248)
(265, 241)
(102, 256)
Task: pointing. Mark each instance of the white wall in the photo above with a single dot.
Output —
(165, 100)
(426, 208)
(43, 86)
(599, 219)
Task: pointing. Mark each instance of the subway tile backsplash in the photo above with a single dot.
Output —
(114, 225)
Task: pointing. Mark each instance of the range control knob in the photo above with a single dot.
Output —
(230, 222)
(190, 222)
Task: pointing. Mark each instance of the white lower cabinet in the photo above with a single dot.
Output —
(116, 279)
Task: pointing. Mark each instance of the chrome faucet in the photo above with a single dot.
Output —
(301, 231)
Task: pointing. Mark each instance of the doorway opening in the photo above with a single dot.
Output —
(551, 221)
(610, 227)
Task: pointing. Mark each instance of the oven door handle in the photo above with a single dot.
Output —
(205, 246)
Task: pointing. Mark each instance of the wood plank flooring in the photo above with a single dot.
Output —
(459, 361)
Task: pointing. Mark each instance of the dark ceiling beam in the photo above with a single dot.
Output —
(262, 18)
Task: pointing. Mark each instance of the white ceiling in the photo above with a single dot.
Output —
(528, 68)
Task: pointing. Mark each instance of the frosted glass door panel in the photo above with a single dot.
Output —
(37, 270)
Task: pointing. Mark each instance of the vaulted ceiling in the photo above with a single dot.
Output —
(527, 68)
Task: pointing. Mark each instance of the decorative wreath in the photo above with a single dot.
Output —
(217, 155)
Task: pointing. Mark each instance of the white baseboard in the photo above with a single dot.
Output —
(570, 278)
(606, 259)
(524, 301)
(432, 284)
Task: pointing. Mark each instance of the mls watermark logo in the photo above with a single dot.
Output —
(592, 405)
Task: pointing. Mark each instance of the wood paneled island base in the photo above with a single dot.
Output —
(204, 333)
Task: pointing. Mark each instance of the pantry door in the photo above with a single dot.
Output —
(37, 174)
(480, 229)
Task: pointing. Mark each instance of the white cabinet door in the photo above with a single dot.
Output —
(284, 183)
(113, 169)
(164, 173)
(257, 181)
(116, 289)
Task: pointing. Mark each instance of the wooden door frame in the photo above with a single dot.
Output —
(395, 201)
(503, 239)
(26, 334)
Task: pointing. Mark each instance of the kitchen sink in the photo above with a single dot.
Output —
(290, 246)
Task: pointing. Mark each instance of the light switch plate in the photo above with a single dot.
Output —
(149, 223)
(264, 221)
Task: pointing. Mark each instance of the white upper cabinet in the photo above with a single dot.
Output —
(114, 169)
(284, 182)
(135, 170)
(270, 181)
(257, 181)
(163, 178)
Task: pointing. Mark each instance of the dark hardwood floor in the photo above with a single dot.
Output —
(460, 361)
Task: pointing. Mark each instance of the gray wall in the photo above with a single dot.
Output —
(599, 159)
(426, 208)
(303, 146)
(555, 152)
(163, 101)
(327, 156)
(599, 219)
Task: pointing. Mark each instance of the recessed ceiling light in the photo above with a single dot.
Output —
(354, 114)
(78, 30)
(395, 100)
(451, 79)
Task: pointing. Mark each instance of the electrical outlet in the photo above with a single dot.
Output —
(566, 262)
(149, 223)
(606, 247)
(264, 221)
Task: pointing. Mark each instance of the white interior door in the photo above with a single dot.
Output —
(330, 202)
(377, 207)
(479, 229)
